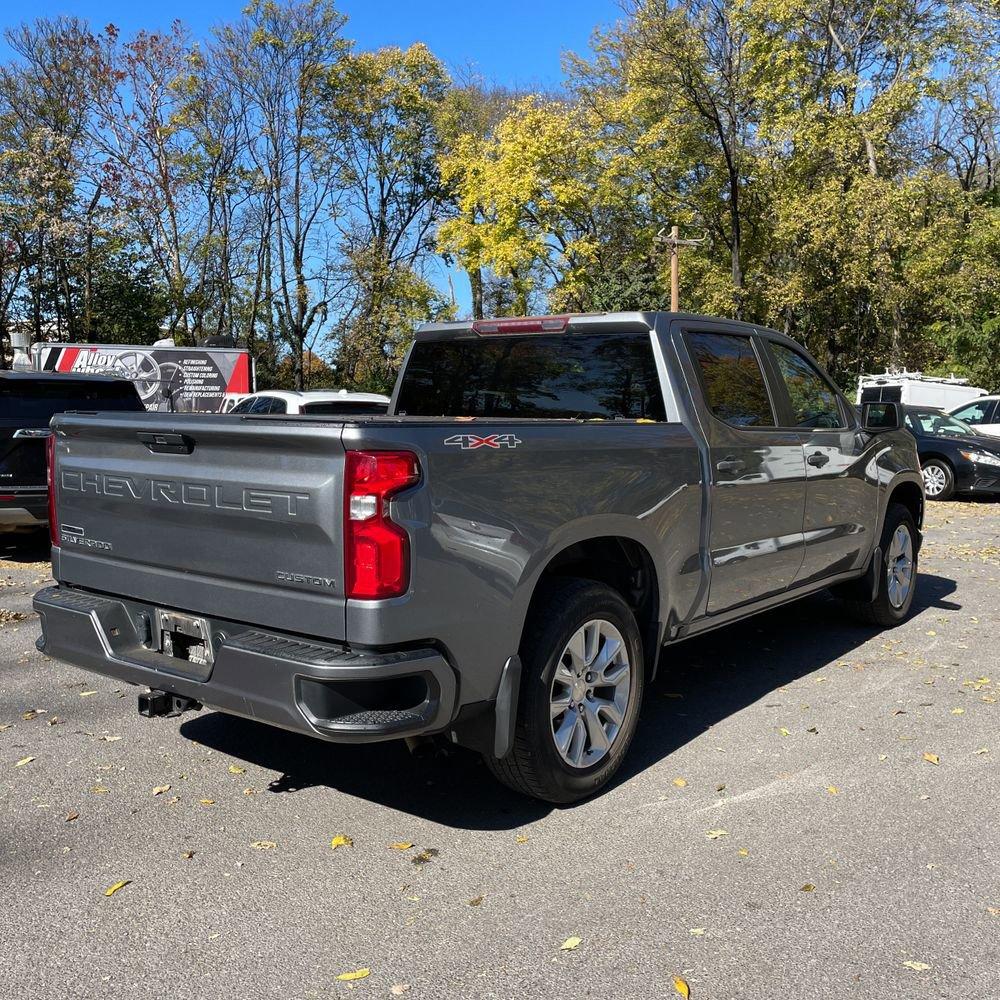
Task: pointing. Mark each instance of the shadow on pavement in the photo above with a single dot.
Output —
(25, 546)
(700, 683)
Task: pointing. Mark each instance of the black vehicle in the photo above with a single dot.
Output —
(28, 400)
(953, 457)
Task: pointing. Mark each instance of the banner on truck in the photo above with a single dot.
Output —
(166, 378)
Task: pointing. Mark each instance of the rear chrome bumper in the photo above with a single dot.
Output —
(324, 690)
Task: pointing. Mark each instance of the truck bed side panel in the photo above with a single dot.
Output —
(488, 519)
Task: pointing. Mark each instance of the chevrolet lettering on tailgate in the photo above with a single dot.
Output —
(276, 503)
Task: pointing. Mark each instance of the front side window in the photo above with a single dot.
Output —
(734, 383)
(974, 413)
(813, 399)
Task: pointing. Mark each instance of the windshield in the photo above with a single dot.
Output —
(937, 424)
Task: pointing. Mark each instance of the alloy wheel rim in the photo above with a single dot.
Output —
(899, 567)
(590, 692)
(935, 480)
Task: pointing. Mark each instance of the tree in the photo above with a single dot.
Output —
(382, 108)
(280, 56)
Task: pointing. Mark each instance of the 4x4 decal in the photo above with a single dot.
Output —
(470, 442)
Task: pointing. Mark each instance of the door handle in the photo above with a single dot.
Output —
(818, 459)
(730, 465)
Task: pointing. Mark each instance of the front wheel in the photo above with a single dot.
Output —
(896, 580)
(581, 688)
(939, 479)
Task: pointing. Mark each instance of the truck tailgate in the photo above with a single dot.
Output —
(241, 516)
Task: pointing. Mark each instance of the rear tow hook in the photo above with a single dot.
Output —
(156, 704)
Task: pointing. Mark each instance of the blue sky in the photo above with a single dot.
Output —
(514, 42)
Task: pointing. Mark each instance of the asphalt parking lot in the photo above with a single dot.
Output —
(809, 810)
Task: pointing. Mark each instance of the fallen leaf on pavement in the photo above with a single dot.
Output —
(715, 834)
(744, 853)
(982, 750)
(234, 769)
(784, 732)
(160, 789)
(520, 839)
(571, 944)
(993, 911)
(6, 725)
(87, 694)
(350, 977)
(932, 758)
(682, 987)
(341, 840)
(23, 761)
(264, 845)
(680, 782)
(402, 845)
(187, 855)
(100, 790)
(427, 855)
(697, 932)
(399, 989)
(958, 711)
(112, 889)
(70, 816)
(476, 901)
(207, 802)
(917, 966)
(808, 887)
(833, 789)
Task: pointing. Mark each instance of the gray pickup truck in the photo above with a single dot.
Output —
(500, 560)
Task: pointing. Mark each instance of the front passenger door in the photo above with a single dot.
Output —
(841, 492)
(758, 474)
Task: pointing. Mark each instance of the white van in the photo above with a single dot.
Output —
(916, 389)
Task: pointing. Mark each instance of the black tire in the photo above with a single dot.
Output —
(948, 490)
(881, 610)
(534, 766)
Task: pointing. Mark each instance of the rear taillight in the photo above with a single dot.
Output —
(376, 550)
(50, 477)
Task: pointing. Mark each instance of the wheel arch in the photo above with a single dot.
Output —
(911, 496)
(622, 563)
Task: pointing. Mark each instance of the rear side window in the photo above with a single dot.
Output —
(39, 399)
(734, 383)
(569, 376)
(814, 402)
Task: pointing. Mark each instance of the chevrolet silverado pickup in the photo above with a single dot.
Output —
(502, 560)
(28, 401)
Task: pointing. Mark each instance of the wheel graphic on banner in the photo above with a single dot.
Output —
(143, 370)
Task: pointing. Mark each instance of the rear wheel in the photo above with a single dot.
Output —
(581, 689)
(939, 479)
(896, 579)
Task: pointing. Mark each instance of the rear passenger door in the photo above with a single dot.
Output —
(841, 493)
(757, 470)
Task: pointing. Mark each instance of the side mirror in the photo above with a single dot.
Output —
(877, 418)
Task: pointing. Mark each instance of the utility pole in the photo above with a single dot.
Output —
(675, 242)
